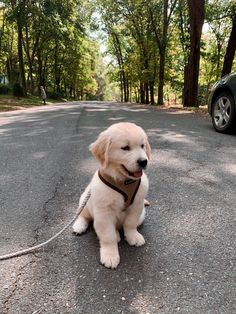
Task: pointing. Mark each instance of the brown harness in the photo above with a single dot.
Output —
(127, 188)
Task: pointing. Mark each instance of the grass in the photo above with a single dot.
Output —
(9, 102)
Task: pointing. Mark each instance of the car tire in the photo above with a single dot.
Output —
(224, 113)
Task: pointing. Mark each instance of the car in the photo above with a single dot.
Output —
(222, 104)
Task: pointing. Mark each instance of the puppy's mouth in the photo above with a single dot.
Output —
(136, 174)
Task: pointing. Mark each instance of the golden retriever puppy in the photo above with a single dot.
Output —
(118, 189)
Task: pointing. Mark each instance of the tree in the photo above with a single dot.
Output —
(17, 13)
(153, 47)
(218, 14)
(46, 43)
(160, 26)
(196, 10)
(230, 51)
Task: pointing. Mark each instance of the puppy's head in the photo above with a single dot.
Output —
(123, 149)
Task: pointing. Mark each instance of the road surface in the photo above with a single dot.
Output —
(188, 262)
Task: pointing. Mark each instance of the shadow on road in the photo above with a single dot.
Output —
(186, 265)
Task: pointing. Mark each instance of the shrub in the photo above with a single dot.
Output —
(203, 93)
(5, 89)
(54, 95)
(18, 90)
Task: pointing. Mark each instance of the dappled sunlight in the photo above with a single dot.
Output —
(200, 178)
(99, 109)
(197, 223)
(46, 165)
(174, 137)
(170, 159)
(182, 112)
(116, 119)
(3, 131)
(231, 168)
(39, 155)
(87, 167)
(171, 136)
(144, 303)
(37, 132)
(136, 109)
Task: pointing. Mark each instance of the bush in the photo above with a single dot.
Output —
(203, 93)
(5, 89)
(54, 95)
(18, 90)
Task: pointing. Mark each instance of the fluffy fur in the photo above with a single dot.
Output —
(122, 151)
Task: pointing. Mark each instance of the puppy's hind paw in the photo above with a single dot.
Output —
(80, 226)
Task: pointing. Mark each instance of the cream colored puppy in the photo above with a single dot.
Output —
(118, 189)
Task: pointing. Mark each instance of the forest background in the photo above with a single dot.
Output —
(146, 51)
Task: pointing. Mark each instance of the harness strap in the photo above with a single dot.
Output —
(128, 188)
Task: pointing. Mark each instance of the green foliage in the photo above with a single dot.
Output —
(57, 49)
(147, 47)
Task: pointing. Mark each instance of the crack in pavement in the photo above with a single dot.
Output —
(45, 211)
(13, 287)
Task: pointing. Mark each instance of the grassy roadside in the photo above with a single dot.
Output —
(9, 102)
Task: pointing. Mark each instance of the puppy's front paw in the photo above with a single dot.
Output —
(80, 225)
(134, 238)
(109, 257)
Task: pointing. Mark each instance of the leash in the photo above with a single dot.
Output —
(33, 248)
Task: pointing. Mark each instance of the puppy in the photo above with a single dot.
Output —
(118, 189)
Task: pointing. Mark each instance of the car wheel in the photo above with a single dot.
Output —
(224, 113)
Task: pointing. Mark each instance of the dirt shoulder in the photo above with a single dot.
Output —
(9, 103)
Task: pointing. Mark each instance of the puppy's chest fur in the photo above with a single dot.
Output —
(127, 188)
(106, 200)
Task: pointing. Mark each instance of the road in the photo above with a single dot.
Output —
(188, 262)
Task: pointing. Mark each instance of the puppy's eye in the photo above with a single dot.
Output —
(142, 146)
(126, 147)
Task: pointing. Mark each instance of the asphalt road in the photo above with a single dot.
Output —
(188, 262)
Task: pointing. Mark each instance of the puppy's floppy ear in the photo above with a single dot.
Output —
(148, 149)
(100, 148)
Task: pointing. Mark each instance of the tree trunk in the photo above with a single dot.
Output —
(137, 95)
(196, 18)
(142, 93)
(123, 81)
(146, 93)
(230, 51)
(20, 56)
(151, 86)
(160, 100)
(130, 92)
(30, 63)
(57, 70)
(40, 69)
(161, 40)
(121, 89)
(127, 90)
(124, 86)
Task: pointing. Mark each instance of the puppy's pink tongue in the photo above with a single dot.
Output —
(138, 174)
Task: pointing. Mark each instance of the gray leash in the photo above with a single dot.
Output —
(33, 248)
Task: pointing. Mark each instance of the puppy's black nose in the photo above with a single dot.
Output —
(142, 163)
